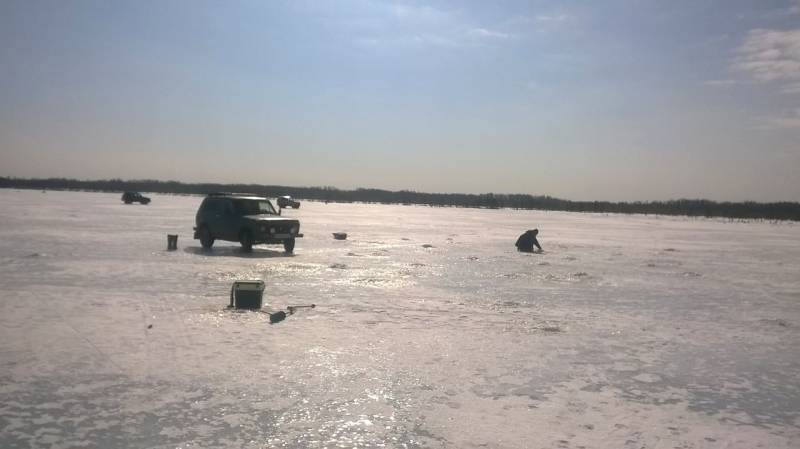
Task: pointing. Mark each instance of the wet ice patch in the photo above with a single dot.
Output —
(647, 378)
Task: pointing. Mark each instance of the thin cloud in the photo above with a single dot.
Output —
(375, 23)
(770, 55)
(794, 9)
(540, 23)
(551, 18)
(483, 32)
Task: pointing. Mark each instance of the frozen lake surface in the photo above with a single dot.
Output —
(430, 330)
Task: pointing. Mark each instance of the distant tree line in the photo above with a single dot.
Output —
(689, 207)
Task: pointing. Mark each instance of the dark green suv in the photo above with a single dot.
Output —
(244, 218)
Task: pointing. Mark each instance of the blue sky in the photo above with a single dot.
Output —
(613, 100)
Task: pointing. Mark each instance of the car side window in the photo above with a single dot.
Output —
(213, 206)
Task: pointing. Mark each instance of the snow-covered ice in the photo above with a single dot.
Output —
(430, 330)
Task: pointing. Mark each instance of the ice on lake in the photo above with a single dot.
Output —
(430, 330)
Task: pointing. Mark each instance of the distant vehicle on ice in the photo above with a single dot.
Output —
(287, 201)
(134, 197)
(244, 218)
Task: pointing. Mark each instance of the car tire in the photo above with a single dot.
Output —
(288, 245)
(246, 239)
(206, 239)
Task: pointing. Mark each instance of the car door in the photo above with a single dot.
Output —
(229, 221)
(212, 216)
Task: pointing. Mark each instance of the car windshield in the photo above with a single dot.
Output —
(254, 207)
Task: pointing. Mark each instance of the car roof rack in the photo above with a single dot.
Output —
(233, 194)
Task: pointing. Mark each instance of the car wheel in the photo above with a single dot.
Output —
(246, 239)
(206, 239)
(288, 245)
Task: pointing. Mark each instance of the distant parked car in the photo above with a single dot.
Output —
(287, 201)
(243, 218)
(134, 197)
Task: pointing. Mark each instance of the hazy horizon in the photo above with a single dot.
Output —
(624, 101)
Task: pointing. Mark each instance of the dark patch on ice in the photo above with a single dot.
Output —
(96, 410)
(427, 245)
(670, 249)
(664, 263)
(776, 322)
(543, 264)
(768, 402)
(594, 388)
(351, 254)
(570, 258)
(338, 266)
(405, 238)
(691, 274)
(472, 257)
(580, 274)
(34, 255)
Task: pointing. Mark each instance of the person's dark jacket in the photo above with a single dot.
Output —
(527, 241)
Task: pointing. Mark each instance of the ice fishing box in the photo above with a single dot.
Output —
(247, 294)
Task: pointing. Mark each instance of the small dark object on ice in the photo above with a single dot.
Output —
(277, 317)
(427, 245)
(149, 326)
(340, 235)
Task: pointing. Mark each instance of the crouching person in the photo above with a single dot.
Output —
(527, 241)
